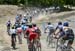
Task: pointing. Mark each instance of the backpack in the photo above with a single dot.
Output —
(69, 34)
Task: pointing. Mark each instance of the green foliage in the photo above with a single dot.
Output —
(41, 3)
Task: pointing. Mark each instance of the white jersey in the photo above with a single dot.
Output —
(50, 27)
(19, 28)
(12, 31)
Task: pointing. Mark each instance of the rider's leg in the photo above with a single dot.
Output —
(15, 38)
(48, 36)
(19, 38)
(13, 43)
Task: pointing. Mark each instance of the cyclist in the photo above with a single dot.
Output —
(30, 19)
(24, 20)
(31, 35)
(59, 28)
(16, 25)
(8, 26)
(18, 18)
(13, 37)
(37, 30)
(59, 25)
(67, 35)
(24, 27)
(19, 33)
(50, 27)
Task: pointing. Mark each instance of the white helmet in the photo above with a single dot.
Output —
(24, 15)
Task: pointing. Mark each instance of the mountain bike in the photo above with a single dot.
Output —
(64, 46)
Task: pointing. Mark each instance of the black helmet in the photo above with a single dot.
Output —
(49, 23)
(13, 27)
(30, 26)
(59, 23)
(34, 25)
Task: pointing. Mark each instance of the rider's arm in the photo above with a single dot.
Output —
(57, 31)
(26, 33)
(10, 24)
(39, 31)
(45, 29)
(56, 28)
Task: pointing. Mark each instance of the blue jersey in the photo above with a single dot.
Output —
(24, 27)
(17, 18)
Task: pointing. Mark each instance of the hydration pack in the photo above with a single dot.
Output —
(69, 34)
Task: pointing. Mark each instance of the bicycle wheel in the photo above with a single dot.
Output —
(71, 49)
(57, 46)
(38, 46)
(13, 44)
(33, 46)
(51, 41)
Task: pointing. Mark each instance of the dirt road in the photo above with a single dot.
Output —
(6, 44)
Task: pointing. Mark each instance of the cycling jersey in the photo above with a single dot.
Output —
(59, 26)
(8, 24)
(50, 28)
(31, 33)
(37, 30)
(16, 25)
(17, 18)
(33, 36)
(23, 21)
(19, 30)
(24, 27)
(29, 30)
(12, 31)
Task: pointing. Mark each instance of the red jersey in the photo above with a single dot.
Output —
(31, 33)
(35, 28)
(19, 30)
(33, 36)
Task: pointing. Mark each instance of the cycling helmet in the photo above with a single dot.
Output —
(59, 23)
(8, 20)
(66, 24)
(24, 15)
(49, 23)
(30, 26)
(34, 25)
(20, 14)
(13, 27)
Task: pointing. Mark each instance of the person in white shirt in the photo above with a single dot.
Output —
(51, 30)
(13, 37)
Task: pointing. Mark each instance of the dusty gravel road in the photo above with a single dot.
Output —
(23, 47)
